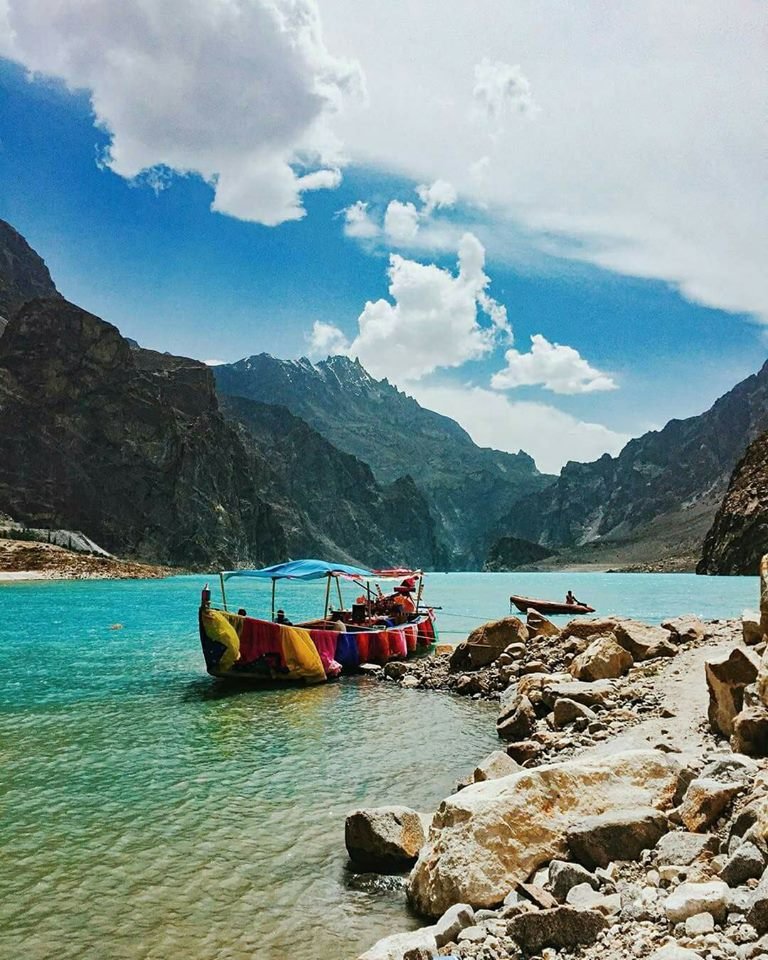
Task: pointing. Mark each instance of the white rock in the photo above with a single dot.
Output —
(673, 951)
(393, 948)
(493, 835)
(699, 924)
(691, 898)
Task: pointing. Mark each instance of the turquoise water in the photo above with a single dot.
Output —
(148, 812)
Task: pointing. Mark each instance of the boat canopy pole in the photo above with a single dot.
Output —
(327, 597)
(338, 587)
(418, 595)
(274, 581)
(223, 594)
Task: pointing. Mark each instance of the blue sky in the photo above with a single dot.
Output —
(178, 276)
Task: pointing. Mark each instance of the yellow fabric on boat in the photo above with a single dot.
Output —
(236, 620)
(301, 656)
(218, 629)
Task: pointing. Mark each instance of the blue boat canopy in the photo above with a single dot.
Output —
(301, 570)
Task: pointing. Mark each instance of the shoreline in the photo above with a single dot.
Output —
(27, 561)
(660, 702)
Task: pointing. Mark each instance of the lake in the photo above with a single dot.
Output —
(149, 812)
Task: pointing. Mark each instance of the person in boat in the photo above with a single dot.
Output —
(402, 596)
(571, 599)
(282, 619)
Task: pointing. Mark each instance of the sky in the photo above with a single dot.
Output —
(546, 220)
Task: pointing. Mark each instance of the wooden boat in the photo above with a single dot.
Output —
(524, 604)
(375, 629)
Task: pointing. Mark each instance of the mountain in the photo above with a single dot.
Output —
(508, 553)
(658, 496)
(23, 274)
(739, 536)
(329, 502)
(127, 445)
(468, 488)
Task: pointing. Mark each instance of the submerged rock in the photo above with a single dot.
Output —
(386, 839)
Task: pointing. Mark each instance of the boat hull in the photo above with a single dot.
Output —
(524, 604)
(248, 650)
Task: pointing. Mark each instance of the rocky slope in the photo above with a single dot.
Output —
(329, 502)
(23, 274)
(508, 553)
(126, 445)
(673, 478)
(468, 488)
(739, 535)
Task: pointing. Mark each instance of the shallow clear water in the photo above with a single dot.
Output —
(148, 812)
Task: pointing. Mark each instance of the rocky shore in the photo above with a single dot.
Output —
(24, 560)
(625, 814)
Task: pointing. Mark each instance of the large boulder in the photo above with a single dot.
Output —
(539, 626)
(582, 629)
(493, 835)
(560, 927)
(704, 801)
(496, 764)
(487, 642)
(764, 594)
(516, 721)
(750, 732)
(598, 840)
(603, 659)
(727, 676)
(758, 912)
(385, 839)
(644, 641)
(689, 899)
(681, 848)
(398, 945)
(596, 694)
(685, 629)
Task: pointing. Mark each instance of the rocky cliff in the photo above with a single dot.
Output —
(127, 445)
(329, 502)
(673, 479)
(23, 274)
(468, 488)
(739, 536)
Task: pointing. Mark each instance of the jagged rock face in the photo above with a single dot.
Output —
(507, 553)
(680, 471)
(23, 274)
(126, 445)
(468, 488)
(739, 535)
(329, 501)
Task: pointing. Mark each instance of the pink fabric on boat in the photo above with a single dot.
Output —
(260, 639)
(325, 643)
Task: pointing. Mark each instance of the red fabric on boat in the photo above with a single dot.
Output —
(325, 643)
(260, 639)
(397, 644)
(426, 633)
(411, 636)
(363, 643)
(378, 647)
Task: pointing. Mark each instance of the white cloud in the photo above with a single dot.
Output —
(214, 363)
(649, 148)
(549, 435)
(500, 89)
(326, 340)
(242, 92)
(401, 223)
(358, 222)
(559, 368)
(432, 318)
(436, 196)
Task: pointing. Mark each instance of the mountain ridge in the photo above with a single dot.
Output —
(468, 488)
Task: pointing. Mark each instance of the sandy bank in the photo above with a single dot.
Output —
(25, 560)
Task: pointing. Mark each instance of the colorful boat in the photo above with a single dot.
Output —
(524, 604)
(374, 630)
